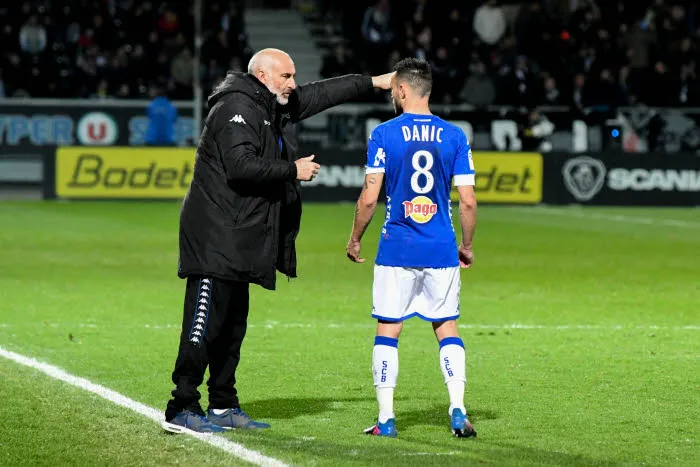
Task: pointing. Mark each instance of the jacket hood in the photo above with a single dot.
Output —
(244, 83)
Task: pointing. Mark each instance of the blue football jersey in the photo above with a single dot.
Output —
(420, 156)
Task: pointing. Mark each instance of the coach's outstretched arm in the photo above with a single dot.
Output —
(364, 211)
(467, 219)
(309, 99)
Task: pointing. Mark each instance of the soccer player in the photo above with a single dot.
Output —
(417, 269)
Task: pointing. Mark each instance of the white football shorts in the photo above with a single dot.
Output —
(400, 293)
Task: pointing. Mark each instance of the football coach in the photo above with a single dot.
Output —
(239, 222)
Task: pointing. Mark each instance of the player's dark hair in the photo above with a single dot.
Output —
(416, 73)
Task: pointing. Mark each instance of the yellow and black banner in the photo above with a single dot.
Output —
(165, 173)
(507, 177)
(123, 172)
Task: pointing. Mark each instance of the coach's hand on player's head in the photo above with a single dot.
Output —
(353, 251)
(466, 257)
(306, 168)
(383, 81)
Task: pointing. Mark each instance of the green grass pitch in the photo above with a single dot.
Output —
(582, 329)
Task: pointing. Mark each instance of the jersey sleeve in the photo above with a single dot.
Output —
(376, 157)
(464, 173)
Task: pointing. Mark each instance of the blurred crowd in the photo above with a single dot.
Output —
(581, 53)
(115, 48)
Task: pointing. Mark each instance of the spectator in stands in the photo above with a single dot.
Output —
(637, 41)
(579, 98)
(103, 33)
(523, 88)
(551, 95)
(160, 70)
(422, 46)
(379, 33)
(162, 115)
(376, 25)
(583, 20)
(115, 72)
(213, 72)
(102, 91)
(628, 97)
(232, 20)
(535, 132)
(417, 16)
(124, 91)
(685, 53)
(452, 32)
(661, 86)
(168, 24)
(394, 58)
(479, 89)
(182, 71)
(338, 63)
(689, 94)
(445, 76)
(606, 92)
(490, 22)
(32, 36)
(218, 47)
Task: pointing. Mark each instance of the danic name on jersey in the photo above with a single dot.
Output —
(425, 133)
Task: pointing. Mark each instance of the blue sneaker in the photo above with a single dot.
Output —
(461, 427)
(235, 419)
(188, 421)
(387, 429)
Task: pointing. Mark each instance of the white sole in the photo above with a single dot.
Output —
(172, 428)
(178, 429)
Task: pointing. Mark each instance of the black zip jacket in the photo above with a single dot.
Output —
(240, 218)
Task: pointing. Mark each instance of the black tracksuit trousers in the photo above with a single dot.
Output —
(213, 327)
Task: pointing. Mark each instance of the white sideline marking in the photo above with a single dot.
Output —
(578, 327)
(551, 327)
(224, 444)
(573, 212)
(546, 327)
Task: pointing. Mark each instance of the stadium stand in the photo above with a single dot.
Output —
(115, 48)
(522, 53)
(527, 53)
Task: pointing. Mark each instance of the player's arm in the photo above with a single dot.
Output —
(367, 202)
(464, 180)
(467, 220)
(364, 211)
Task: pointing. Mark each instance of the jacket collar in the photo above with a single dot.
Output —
(263, 95)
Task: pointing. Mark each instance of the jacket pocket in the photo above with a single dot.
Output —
(250, 248)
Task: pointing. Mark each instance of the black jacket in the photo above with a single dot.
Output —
(241, 216)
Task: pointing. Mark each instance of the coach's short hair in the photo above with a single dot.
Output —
(416, 73)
